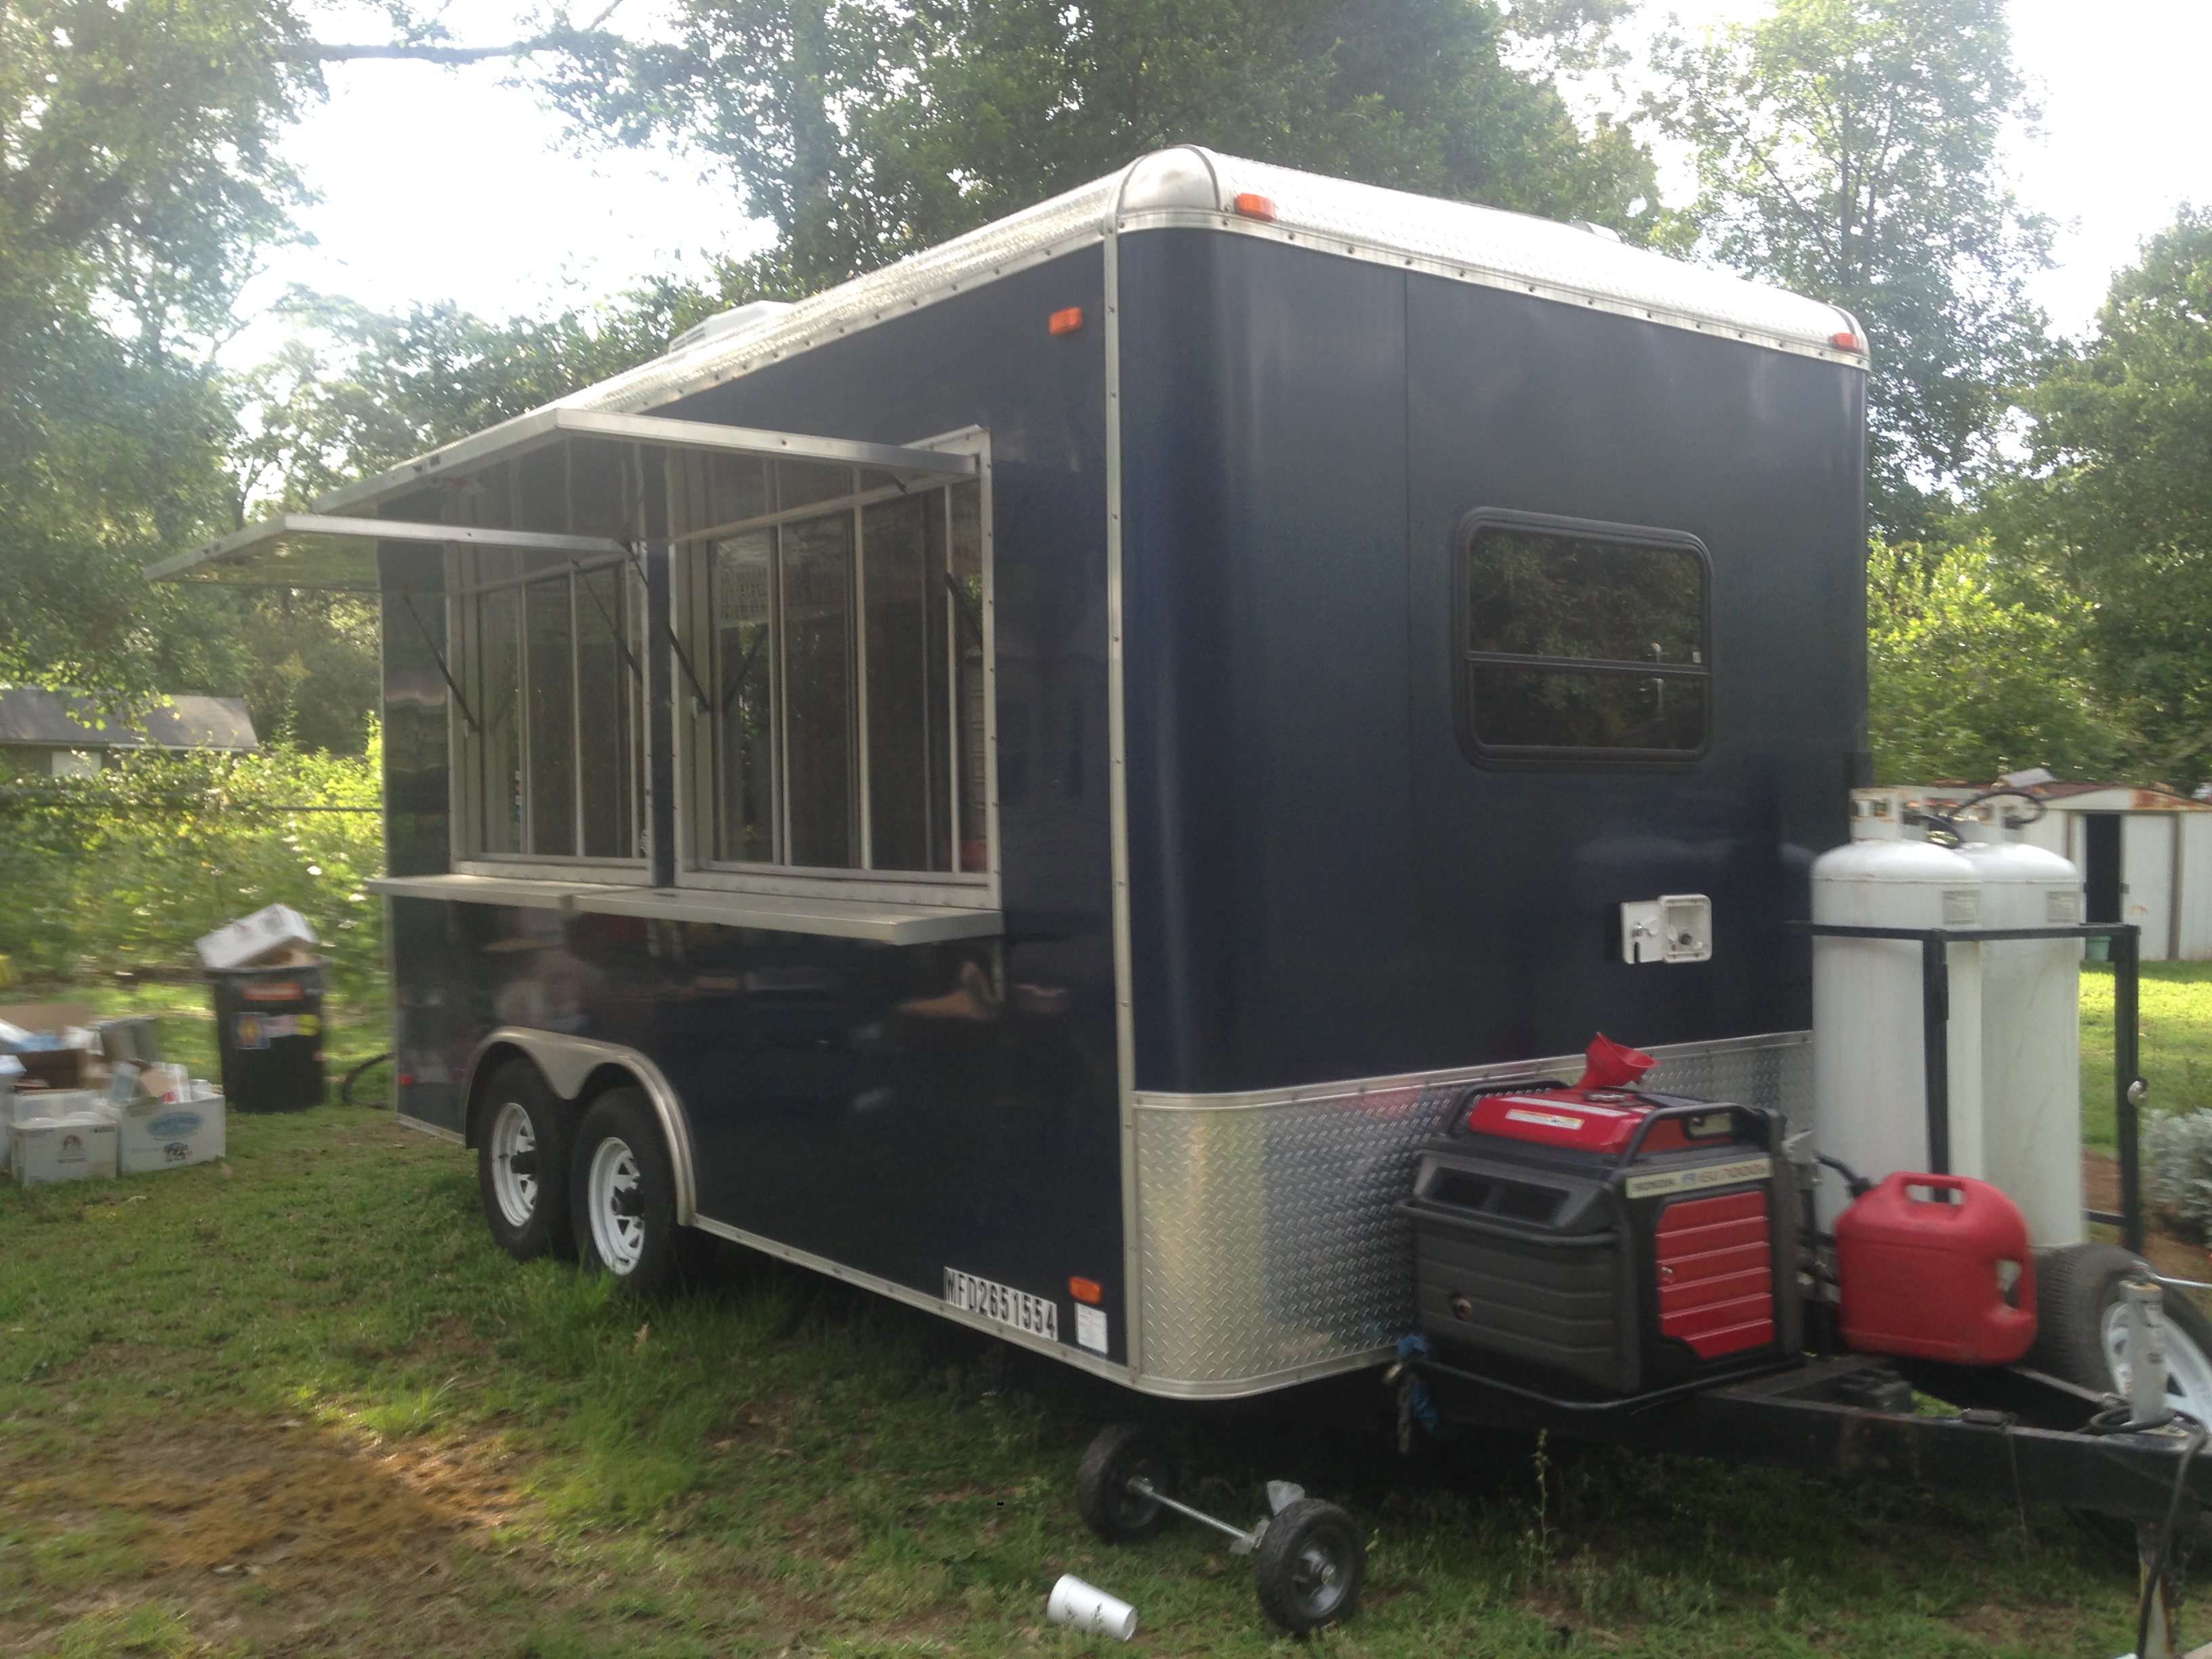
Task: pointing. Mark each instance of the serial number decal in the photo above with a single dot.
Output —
(1002, 1303)
(1713, 1175)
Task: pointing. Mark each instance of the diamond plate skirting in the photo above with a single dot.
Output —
(1268, 1246)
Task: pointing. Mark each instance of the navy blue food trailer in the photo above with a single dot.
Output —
(1032, 782)
(1033, 774)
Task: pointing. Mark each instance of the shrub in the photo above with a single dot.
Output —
(2177, 1169)
(123, 870)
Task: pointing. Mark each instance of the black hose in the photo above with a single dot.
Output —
(345, 1088)
(2116, 1419)
(1859, 1184)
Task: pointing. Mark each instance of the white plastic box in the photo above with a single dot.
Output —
(75, 1148)
(275, 927)
(154, 1134)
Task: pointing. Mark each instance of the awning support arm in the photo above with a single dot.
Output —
(439, 657)
(683, 657)
(637, 669)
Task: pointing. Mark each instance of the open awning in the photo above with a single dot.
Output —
(334, 547)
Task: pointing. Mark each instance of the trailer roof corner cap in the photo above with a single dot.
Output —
(1183, 177)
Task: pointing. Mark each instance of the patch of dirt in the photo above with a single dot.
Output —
(263, 1529)
(306, 1497)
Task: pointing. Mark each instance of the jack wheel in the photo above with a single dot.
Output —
(1123, 1452)
(1309, 1566)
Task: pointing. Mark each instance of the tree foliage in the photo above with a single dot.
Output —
(1976, 668)
(1848, 149)
(139, 176)
(2118, 495)
(867, 129)
(123, 870)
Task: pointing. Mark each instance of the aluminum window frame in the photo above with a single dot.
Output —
(692, 553)
(469, 807)
(1556, 758)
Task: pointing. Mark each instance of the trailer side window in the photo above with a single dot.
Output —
(1581, 644)
(549, 666)
(838, 623)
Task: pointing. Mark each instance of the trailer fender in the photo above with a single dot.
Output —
(575, 1067)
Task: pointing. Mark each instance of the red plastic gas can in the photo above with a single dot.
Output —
(1939, 1267)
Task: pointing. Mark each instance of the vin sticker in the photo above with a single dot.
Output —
(1091, 1326)
(1713, 1175)
(1003, 1303)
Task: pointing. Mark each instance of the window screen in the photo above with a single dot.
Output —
(839, 620)
(1582, 644)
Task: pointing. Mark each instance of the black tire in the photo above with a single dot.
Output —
(636, 1239)
(1309, 1566)
(524, 1131)
(1122, 1453)
(2073, 1287)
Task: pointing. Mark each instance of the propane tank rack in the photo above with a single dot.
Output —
(2128, 1086)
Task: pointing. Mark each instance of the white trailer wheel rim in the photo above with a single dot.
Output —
(516, 1194)
(619, 1238)
(2188, 1368)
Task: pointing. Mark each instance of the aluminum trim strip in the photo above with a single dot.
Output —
(877, 920)
(437, 1131)
(568, 1062)
(1569, 1065)
(1062, 1351)
(1270, 1244)
(239, 548)
(1117, 796)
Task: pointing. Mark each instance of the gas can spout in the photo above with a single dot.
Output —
(1610, 1065)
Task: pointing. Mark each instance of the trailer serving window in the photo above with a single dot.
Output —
(1582, 644)
(551, 742)
(836, 617)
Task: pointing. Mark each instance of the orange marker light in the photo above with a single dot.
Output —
(1844, 340)
(1087, 1290)
(1254, 206)
(1065, 322)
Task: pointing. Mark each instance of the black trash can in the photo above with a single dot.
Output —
(269, 1032)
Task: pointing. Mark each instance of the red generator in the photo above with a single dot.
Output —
(1613, 1240)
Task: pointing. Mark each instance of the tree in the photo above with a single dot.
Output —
(2119, 493)
(867, 129)
(137, 177)
(1847, 148)
(1977, 667)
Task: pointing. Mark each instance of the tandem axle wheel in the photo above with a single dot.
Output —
(1307, 1557)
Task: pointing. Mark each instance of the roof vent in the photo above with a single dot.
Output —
(732, 321)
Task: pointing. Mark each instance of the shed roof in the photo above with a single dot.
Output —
(1191, 186)
(64, 720)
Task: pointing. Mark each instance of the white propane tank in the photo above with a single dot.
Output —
(1869, 1083)
(2031, 1038)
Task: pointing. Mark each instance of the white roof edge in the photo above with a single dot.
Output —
(1186, 185)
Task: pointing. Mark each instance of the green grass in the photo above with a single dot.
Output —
(2176, 1021)
(302, 1405)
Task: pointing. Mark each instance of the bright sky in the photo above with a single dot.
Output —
(446, 185)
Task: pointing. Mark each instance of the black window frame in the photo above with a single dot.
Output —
(1516, 757)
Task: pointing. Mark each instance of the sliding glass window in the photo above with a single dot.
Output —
(550, 671)
(835, 621)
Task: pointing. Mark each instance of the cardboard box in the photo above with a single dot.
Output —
(75, 1148)
(250, 939)
(153, 1134)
